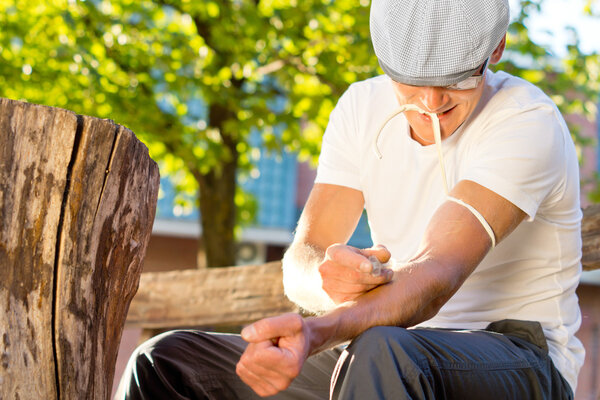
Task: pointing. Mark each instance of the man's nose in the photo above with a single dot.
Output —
(433, 98)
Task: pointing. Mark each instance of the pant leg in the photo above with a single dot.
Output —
(189, 364)
(397, 363)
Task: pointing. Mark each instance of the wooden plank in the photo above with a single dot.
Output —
(209, 297)
(590, 236)
(35, 149)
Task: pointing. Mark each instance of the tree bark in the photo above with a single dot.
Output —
(77, 202)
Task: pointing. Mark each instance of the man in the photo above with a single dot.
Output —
(484, 276)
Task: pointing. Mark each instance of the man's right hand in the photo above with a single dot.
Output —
(347, 272)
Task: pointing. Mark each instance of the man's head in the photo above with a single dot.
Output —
(430, 47)
(436, 42)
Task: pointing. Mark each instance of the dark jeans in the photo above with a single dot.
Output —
(508, 360)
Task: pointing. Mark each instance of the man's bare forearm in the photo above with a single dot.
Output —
(415, 295)
(301, 279)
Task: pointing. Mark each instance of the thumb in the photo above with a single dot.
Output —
(379, 251)
(272, 328)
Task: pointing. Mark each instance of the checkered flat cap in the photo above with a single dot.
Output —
(436, 42)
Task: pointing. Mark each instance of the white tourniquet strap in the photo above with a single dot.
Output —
(479, 217)
(437, 135)
(438, 141)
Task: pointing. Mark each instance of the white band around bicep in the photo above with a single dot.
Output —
(479, 217)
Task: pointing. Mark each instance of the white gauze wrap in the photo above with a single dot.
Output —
(438, 142)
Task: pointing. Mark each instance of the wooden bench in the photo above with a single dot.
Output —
(229, 296)
(234, 296)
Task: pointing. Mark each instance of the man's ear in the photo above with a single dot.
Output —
(497, 54)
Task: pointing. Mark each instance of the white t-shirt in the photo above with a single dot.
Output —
(516, 144)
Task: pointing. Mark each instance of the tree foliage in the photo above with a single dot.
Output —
(194, 79)
(573, 81)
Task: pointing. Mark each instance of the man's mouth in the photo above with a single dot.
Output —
(445, 113)
(441, 116)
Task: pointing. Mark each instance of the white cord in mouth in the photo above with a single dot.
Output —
(438, 142)
(436, 135)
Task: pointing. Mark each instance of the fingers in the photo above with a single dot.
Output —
(262, 387)
(273, 328)
(351, 281)
(346, 264)
(379, 251)
(341, 292)
(357, 259)
(347, 256)
(255, 369)
(345, 284)
(350, 288)
(272, 360)
(348, 272)
(268, 369)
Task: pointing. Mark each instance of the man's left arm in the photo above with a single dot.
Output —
(454, 243)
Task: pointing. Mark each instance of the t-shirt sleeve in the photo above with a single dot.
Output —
(521, 157)
(339, 159)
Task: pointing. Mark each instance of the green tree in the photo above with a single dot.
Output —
(572, 81)
(194, 78)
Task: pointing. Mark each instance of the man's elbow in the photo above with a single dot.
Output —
(303, 288)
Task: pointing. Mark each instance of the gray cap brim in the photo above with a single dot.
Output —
(427, 81)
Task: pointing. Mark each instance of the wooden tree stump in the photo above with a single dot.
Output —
(77, 203)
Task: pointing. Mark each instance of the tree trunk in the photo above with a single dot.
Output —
(217, 198)
(77, 202)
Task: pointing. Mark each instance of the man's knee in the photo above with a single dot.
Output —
(383, 362)
(381, 339)
(153, 364)
(156, 348)
(388, 347)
